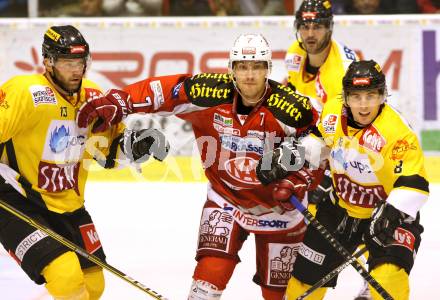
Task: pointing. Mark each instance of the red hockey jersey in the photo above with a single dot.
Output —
(230, 144)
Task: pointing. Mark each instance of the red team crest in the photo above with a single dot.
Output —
(242, 169)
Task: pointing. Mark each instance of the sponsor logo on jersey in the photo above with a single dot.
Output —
(56, 178)
(3, 102)
(249, 220)
(203, 91)
(90, 237)
(226, 130)
(215, 229)
(372, 139)
(293, 62)
(239, 144)
(400, 148)
(159, 98)
(242, 169)
(320, 90)
(176, 90)
(356, 194)
(329, 123)
(281, 260)
(256, 133)
(42, 95)
(27, 243)
(404, 238)
(64, 143)
(224, 121)
(310, 254)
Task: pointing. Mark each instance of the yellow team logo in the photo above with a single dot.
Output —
(53, 35)
(400, 148)
(377, 67)
(327, 4)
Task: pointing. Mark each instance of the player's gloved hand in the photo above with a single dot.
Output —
(323, 189)
(276, 164)
(139, 145)
(296, 183)
(107, 110)
(385, 219)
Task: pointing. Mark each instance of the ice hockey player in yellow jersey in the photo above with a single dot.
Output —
(379, 182)
(315, 62)
(44, 165)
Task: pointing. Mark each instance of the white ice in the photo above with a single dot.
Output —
(149, 232)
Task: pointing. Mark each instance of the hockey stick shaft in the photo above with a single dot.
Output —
(339, 248)
(333, 273)
(79, 250)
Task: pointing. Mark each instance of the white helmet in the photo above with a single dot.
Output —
(250, 47)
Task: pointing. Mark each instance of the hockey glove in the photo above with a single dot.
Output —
(107, 110)
(385, 219)
(276, 164)
(297, 183)
(323, 189)
(139, 145)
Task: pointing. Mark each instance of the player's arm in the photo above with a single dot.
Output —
(410, 190)
(16, 110)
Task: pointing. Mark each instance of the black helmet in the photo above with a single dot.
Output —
(318, 11)
(364, 75)
(64, 42)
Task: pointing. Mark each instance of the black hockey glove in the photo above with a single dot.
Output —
(139, 145)
(385, 219)
(276, 164)
(322, 191)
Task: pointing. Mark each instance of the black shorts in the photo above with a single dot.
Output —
(33, 249)
(317, 257)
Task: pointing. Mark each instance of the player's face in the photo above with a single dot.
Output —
(364, 105)
(69, 72)
(314, 37)
(251, 80)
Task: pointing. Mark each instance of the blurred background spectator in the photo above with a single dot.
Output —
(13, 8)
(429, 6)
(368, 7)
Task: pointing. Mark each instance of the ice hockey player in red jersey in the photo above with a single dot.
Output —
(235, 117)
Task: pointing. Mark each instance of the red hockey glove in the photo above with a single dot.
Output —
(107, 110)
(297, 184)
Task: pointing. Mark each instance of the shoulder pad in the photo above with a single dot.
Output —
(209, 89)
(289, 107)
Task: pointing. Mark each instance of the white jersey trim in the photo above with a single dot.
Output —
(408, 201)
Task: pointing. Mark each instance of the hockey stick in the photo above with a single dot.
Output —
(79, 250)
(339, 248)
(333, 273)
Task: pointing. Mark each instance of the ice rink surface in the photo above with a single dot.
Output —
(149, 231)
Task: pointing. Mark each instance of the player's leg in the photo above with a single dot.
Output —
(94, 280)
(79, 228)
(316, 257)
(391, 266)
(65, 279)
(220, 239)
(275, 257)
(39, 255)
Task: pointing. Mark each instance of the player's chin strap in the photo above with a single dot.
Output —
(79, 250)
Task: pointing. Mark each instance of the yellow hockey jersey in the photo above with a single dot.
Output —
(381, 162)
(44, 155)
(327, 83)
